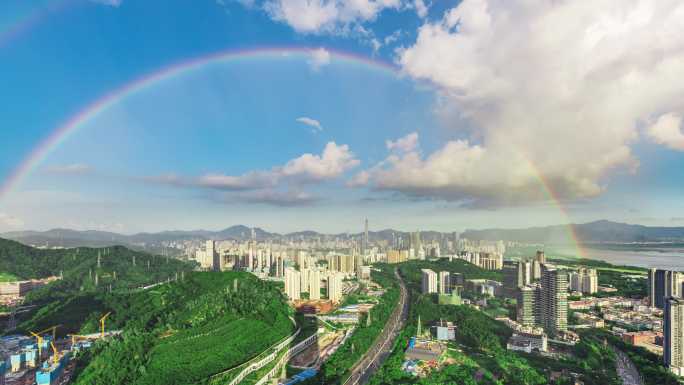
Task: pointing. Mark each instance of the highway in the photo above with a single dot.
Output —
(376, 355)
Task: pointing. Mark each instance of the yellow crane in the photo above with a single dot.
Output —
(102, 324)
(55, 357)
(39, 337)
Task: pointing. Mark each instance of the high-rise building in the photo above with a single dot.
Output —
(429, 281)
(527, 305)
(673, 331)
(513, 277)
(554, 300)
(364, 249)
(444, 282)
(335, 287)
(540, 257)
(346, 264)
(314, 284)
(396, 256)
(209, 258)
(416, 244)
(304, 280)
(663, 284)
(293, 285)
(536, 270)
(584, 280)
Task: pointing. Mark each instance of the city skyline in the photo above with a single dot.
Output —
(307, 115)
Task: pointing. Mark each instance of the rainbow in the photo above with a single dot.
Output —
(170, 72)
(95, 109)
(557, 200)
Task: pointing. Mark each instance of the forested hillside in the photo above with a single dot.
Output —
(186, 331)
(88, 276)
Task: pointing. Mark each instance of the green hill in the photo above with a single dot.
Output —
(80, 294)
(186, 331)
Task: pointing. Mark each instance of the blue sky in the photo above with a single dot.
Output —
(435, 135)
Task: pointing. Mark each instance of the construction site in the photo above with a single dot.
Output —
(41, 357)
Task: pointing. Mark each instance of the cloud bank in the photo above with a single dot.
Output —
(555, 90)
(282, 185)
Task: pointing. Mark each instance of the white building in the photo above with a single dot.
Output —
(314, 284)
(335, 286)
(293, 283)
(429, 282)
(673, 332)
(584, 281)
(444, 282)
(305, 275)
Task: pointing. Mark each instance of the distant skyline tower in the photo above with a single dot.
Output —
(364, 247)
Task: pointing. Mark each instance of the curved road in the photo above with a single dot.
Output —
(382, 347)
(626, 369)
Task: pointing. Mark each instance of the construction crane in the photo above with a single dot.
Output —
(55, 357)
(102, 324)
(39, 337)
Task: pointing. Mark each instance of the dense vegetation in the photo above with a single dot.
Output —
(186, 331)
(86, 283)
(338, 366)
(479, 353)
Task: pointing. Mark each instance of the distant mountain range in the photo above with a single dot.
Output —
(594, 232)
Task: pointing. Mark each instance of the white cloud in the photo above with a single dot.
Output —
(313, 123)
(333, 162)
(405, 144)
(111, 3)
(421, 8)
(319, 57)
(326, 16)
(546, 88)
(393, 37)
(307, 168)
(667, 130)
(76, 168)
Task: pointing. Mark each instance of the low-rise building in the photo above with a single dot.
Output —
(528, 342)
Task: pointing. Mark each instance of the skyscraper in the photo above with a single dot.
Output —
(365, 237)
(210, 259)
(293, 285)
(444, 282)
(314, 284)
(335, 287)
(554, 300)
(304, 280)
(663, 284)
(513, 277)
(429, 281)
(673, 330)
(526, 307)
